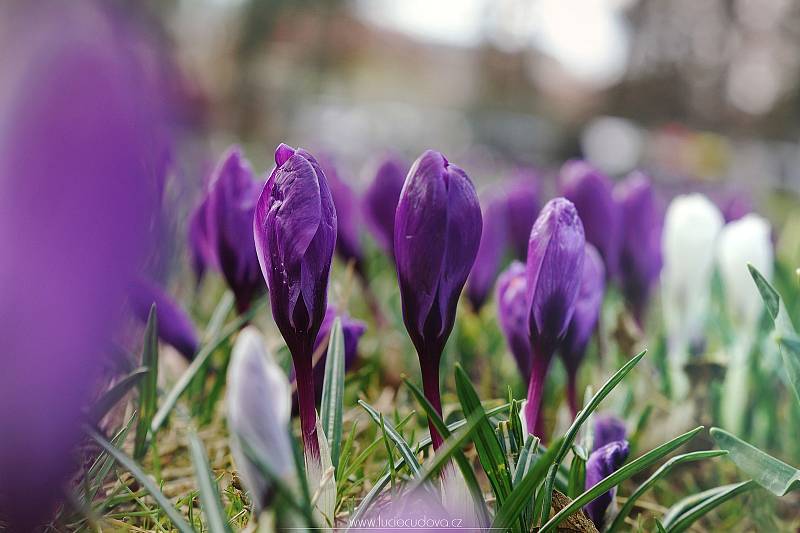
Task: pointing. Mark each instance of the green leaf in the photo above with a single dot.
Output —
(577, 474)
(144, 480)
(333, 391)
(209, 491)
(660, 526)
(490, 453)
(658, 474)
(675, 523)
(769, 472)
(113, 395)
(402, 446)
(628, 470)
(199, 361)
(148, 386)
(452, 445)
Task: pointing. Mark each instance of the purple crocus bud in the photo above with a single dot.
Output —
(602, 463)
(295, 235)
(554, 272)
(231, 204)
(640, 240)
(584, 321)
(607, 429)
(348, 241)
(490, 253)
(200, 249)
(77, 205)
(512, 312)
(381, 198)
(592, 193)
(438, 205)
(523, 207)
(174, 325)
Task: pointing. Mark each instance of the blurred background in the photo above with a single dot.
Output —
(691, 91)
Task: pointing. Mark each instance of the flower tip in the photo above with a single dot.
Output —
(282, 153)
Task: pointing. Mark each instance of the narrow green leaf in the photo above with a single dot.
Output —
(402, 446)
(660, 527)
(148, 386)
(144, 480)
(113, 395)
(577, 475)
(490, 452)
(617, 477)
(445, 452)
(526, 458)
(333, 392)
(772, 300)
(658, 474)
(769, 472)
(207, 485)
(683, 521)
(218, 315)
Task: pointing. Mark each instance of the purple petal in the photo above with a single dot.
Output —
(381, 198)
(512, 312)
(587, 310)
(607, 429)
(523, 208)
(490, 253)
(174, 325)
(348, 240)
(601, 464)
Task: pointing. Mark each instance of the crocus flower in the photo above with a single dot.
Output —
(231, 204)
(77, 202)
(522, 197)
(258, 403)
(607, 429)
(436, 236)
(348, 241)
(584, 321)
(602, 463)
(295, 235)
(743, 241)
(691, 227)
(200, 249)
(554, 271)
(174, 325)
(640, 241)
(380, 200)
(591, 192)
(512, 313)
(490, 253)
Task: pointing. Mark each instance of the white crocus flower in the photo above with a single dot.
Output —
(741, 242)
(691, 227)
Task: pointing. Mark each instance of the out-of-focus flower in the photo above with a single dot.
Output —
(436, 236)
(512, 313)
(174, 325)
(591, 192)
(640, 241)
(348, 217)
(77, 205)
(523, 206)
(735, 204)
(200, 248)
(584, 321)
(295, 235)
(554, 271)
(490, 253)
(380, 200)
(691, 227)
(602, 463)
(258, 406)
(607, 429)
(743, 241)
(231, 204)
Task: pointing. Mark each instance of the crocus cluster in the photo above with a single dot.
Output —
(295, 236)
(436, 237)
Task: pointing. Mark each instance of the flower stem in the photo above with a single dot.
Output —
(306, 401)
(533, 415)
(430, 385)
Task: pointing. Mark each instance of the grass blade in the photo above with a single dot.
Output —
(658, 474)
(333, 390)
(113, 395)
(683, 521)
(402, 446)
(148, 386)
(628, 470)
(144, 480)
(769, 472)
(207, 485)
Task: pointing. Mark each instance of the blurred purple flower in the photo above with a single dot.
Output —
(607, 429)
(381, 198)
(232, 200)
(348, 240)
(591, 192)
(512, 312)
(174, 325)
(77, 205)
(490, 253)
(200, 249)
(554, 271)
(602, 463)
(640, 245)
(295, 235)
(735, 204)
(523, 207)
(436, 237)
(584, 321)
